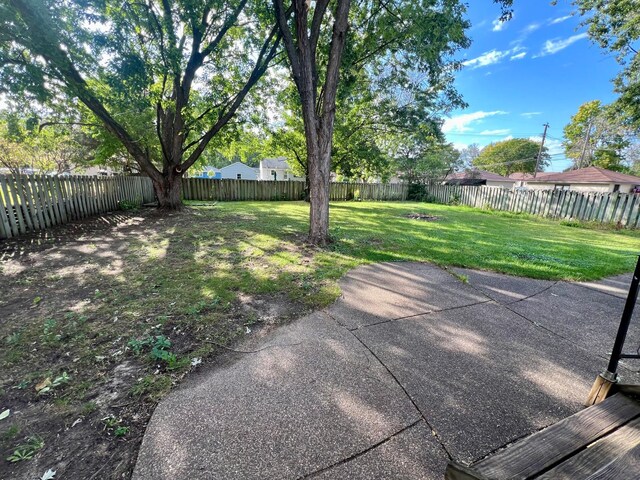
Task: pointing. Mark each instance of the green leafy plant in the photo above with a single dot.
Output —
(27, 450)
(49, 326)
(454, 199)
(48, 385)
(159, 349)
(128, 205)
(137, 346)
(14, 338)
(113, 426)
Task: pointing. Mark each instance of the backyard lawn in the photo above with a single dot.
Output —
(97, 328)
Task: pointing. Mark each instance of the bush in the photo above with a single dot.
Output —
(418, 193)
(128, 205)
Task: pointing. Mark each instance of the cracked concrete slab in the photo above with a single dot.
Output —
(584, 316)
(283, 412)
(503, 288)
(318, 400)
(412, 454)
(375, 293)
(482, 375)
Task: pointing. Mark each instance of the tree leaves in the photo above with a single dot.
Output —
(509, 156)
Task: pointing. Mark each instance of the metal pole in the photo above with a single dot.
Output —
(624, 322)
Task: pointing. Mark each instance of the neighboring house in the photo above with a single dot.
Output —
(478, 177)
(277, 169)
(521, 178)
(590, 179)
(239, 171)
(209, 172)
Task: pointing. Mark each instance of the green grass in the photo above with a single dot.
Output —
(371, 232)
(186, 283)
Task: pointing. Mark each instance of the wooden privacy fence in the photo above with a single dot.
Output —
(36, 202)
(232, 190)
(622, 208)
(226, 189)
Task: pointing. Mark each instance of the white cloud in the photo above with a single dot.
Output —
(486, 59)
(498, 25)
(532, 27)
(554, 46)
(499, 131)
(559, 19)
(530, 114)
(460, 123)
(495, 56)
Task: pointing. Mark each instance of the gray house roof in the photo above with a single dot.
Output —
(279, 162)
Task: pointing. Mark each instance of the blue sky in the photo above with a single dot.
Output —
(538, 67)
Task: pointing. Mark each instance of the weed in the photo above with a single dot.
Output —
(152, 386)
(88, 407)
(47, 385)
(121, 431)
(11, 432)
(14, 338)
(128, 205)
(460, 276)
(27, 450)
(50, 331)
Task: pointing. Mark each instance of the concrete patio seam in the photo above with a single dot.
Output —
(361, 453)
(421, 314)
(594, 289)
(542, 327)
(530, 296)
(415, 405)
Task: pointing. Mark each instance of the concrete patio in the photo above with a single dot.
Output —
(411, 367)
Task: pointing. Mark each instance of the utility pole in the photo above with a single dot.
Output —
(584, 147)
(544, 136)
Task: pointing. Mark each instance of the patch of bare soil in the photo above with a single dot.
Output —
(80, 393)
(422, 216)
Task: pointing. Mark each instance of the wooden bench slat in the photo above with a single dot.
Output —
(548, 447)
(626, 467)
(599, 454)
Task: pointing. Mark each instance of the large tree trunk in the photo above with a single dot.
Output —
(168, 191)
(319, 176)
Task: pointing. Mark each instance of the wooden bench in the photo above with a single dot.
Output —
(597, 443)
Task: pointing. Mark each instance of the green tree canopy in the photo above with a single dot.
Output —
(597, 135)
(163, 76)
(510, 156)
(615, 26)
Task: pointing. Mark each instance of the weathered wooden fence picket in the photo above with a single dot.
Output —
(226, 189)
(619, 208)
(37, 202)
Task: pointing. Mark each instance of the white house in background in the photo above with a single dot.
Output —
(239, 171)
(277, 169)
(590, 179)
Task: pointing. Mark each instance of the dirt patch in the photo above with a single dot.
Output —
(422, 216)
(111, 314)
